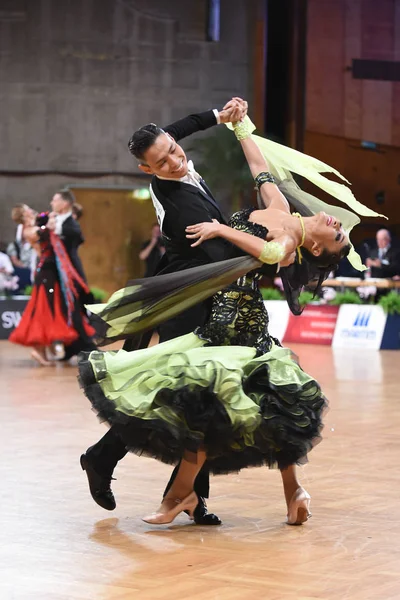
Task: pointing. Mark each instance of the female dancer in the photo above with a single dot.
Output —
(227, 393)
(47, 318)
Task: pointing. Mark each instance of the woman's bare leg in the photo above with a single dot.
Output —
(297, 499)
(290, 483)
(189, 468)
(181, 495)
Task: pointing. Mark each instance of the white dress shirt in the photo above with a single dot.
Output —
(60, 221)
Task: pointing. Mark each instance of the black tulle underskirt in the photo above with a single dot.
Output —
(289, 423)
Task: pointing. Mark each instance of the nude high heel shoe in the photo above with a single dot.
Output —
(189, 504)
(299, 507)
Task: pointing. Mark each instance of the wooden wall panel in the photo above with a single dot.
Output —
(377, 43)
(369, 173)
(376, 115)
(365, 110)
(337, 104)
(396, 86)
(325, 55)
(396, 114)
(114, 225)
(377, 29)
(352, 87)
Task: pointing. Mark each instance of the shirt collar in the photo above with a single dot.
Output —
(64, 216)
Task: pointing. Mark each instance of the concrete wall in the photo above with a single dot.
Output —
(77, 77)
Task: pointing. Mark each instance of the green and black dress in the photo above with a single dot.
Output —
(228, 387)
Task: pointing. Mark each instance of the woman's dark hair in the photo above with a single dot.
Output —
(143, 139)
(300, 275)
(42, 219)
(311, 272)
(326, 260)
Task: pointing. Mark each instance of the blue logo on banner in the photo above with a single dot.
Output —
(360, 328)
(362, 319)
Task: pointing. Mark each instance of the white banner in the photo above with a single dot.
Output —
(278, 312)
(359, 326)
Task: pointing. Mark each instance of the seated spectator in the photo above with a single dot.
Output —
(22, 256)
(8, 281)
(384, 261)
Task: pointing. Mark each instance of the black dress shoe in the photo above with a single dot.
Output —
(203, 517)
(99, 486)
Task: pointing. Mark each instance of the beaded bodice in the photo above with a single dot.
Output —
(238, 315)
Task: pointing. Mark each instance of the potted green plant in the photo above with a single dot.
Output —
(307, 297)
(390, 303)
(271, 294)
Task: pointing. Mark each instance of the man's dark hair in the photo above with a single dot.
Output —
(143, 139)
(67, 195)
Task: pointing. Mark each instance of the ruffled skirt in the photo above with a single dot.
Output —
(182, 395)
(44, 320)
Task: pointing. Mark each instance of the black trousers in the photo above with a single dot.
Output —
(84, 343)
(111, 448)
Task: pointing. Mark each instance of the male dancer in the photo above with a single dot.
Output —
(180, 198)
(69, 230)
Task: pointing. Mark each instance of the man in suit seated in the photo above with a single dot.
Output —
(180, 198)
(384, 261)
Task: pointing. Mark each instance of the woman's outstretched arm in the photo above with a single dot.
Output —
(269, 191)
(280, 250)
(255, 159)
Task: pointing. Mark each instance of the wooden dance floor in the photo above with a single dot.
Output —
(56, 544)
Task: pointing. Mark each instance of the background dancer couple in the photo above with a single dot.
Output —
(54, 317)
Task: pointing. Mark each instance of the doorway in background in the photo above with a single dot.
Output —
(115, 223)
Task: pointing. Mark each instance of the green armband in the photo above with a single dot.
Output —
(272, 253)
(242, 129)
